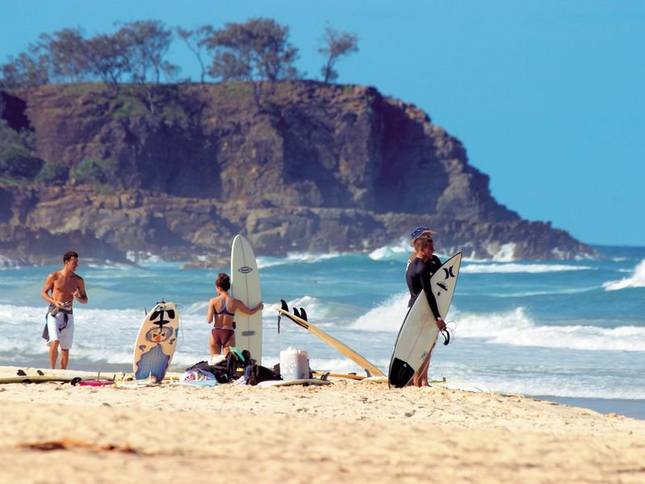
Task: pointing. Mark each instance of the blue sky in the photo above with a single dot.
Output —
(547, 95)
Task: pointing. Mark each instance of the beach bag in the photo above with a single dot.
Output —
(255, 374)
(219, 371)
(224, 371)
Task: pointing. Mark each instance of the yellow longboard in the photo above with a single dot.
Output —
(301, 320)
(346, 376)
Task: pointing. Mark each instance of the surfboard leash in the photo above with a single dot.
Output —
(446, 336)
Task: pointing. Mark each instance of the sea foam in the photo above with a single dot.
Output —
(637, 279)
(513, 328)
(295, 258)
(387, 316)
(505, 253)
(516, 328)
(519, 268)
(396, 251)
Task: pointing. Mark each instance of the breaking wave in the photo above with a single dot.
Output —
(515, 328)
(519, 268)
(296, 258)
(637, 279)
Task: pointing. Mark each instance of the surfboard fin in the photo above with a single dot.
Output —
(284, 305)
(303, 314)
(296, 313)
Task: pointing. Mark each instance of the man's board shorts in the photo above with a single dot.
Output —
(59, 327)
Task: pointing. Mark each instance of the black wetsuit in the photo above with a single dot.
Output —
(417, 275)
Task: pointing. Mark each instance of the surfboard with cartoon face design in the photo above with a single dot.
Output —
(156, 342)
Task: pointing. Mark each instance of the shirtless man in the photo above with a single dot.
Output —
(60, 290)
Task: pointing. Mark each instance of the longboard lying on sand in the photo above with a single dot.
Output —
(288, 383)
(38, 376)
(300, 318)
(345, 376)
(245, 286)
(75, 377)
(418, 333)
(37, 379)
(156, 342)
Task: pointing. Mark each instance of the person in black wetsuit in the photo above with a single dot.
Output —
(421, 266)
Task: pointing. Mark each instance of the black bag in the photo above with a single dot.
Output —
(257, 373)
(224, 371)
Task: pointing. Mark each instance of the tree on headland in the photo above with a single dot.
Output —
(256, 50)
(107, 58)
(136, 52)
(195, 41)
(146, 43)
(28, 69)
(335, 45)
(67, 54)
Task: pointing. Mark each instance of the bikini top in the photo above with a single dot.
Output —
(224, 311)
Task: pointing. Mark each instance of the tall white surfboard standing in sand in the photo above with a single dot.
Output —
(418, 334)
(245, 286)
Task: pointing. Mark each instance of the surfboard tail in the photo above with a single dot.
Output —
(300, 317)
(400, 373)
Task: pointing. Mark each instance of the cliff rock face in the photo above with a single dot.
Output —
(310, 167)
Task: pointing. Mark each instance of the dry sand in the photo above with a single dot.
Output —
(345, 432)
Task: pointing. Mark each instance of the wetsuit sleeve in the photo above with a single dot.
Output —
(408, 278)
(427, 288)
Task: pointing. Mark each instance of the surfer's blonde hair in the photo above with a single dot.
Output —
(422, 242)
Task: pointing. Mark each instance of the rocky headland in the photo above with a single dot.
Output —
(178, 170)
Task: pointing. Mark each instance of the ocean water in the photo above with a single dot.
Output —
(573, 329)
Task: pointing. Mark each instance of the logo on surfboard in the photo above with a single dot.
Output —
(448, 272)
(245, 269)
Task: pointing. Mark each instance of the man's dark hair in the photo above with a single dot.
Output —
(223, 281)
(68, 255)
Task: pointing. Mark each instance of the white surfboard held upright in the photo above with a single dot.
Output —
(245, 286)
(419, 331)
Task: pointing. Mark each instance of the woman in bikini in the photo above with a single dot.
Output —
(221, 311)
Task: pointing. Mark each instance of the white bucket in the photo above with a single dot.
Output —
(294, 364)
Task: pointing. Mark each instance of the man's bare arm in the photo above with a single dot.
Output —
(48, 287)
(80, 294)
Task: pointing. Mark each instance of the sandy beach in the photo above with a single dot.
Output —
(345, 432)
